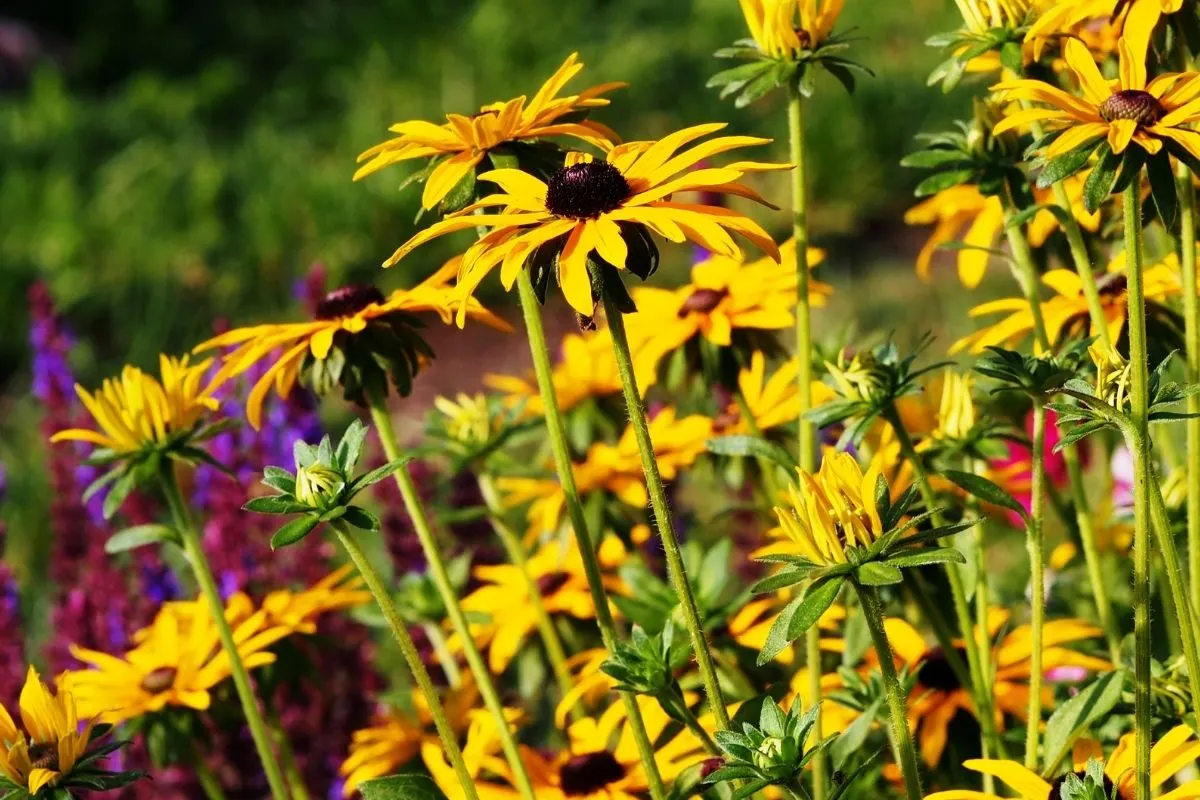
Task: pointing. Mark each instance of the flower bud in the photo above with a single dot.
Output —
(315, 484)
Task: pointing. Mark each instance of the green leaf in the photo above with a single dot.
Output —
(1074, 716)
(800, 615)
(1162, 187)
(943, 180)
(1066, 165)
(933, 158)
(985, 490)
(401, 787)
(1011, 57)
(275, 504)
(752, 446)
(764, 83)
(780, 580)
(294, 531)
(852, 738)
(1099, 183)
(279, 479)
(921, 558)
(376, 475)
(351, 446)
(101, 482)
(738, 76)
(120, 490)
(140, 536)
(1026, 214)
(361, 518)
(877, 573)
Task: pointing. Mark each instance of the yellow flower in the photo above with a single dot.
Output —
(937, 696)
(299, 611)
(137, 410)
(467, 419)
(830, 511)
(1174, 752)
(1066, 313)
(503, 596)
(467, 140)
(50, 744)
(980, 15)
(395, 737)
(725, 295)
(345, 312)
(606, 208)
(586, 369)
(773, 401)
(778, 32)
(951, 210)
(177, 661)
(750, 625)
(956, 412)
(1126, 110)
(1113, 375)
(1067, 16)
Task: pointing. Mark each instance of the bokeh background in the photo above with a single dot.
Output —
(169, 167)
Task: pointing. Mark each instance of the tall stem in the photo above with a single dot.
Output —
(1025, 273)
(516, 554)
(383, 598)
(194, 551)
(1037, 583)
(557, 432)
(1177, 587)
(1091, 554)
(441, 579)
(662, 514)
(1191, 318)
(287, 757)
(901, 737)
(209, 783)
(445, 656)
(982, 599)
(1139, 444)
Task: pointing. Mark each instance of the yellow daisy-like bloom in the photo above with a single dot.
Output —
(586, 369)
(1066, 313)
(503, 596)
(1126, 110)
(467, 418)
(395, 737)
(981, 15)
(1067, 16)
(772, 401)
(344, 312)
(724, 295)
(177, 661)
(937, 696)
(830, 511)
(51, 742)
(1114, 375)
(782, 28)
(138, 410)
(1175, 751)
(956, 411)
(465, 141)
(605, 208)
(299, 611)
(961, 207)
(751, 623)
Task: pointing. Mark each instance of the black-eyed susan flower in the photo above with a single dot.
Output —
(359, 340)
(938, 696)
(604, 212)
(1070, 16)
(785, 27)
(52, 749)
(1066, 313)
(772, 401)
(1114, 776)
(176, 662)
(750, 624)
(299, 611)
(459, 145)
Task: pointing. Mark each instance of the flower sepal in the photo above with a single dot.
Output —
(965, 46)
(648, 663)
(795, 70)
(770, 750)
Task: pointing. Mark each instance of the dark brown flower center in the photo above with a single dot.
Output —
(44, 755)
(1141, 107)
(702, 301)
(936, 673)
(585, 191)
(589, 772)
(348, 301)
(551, 582)
(1113, 284)
(159, 680)
(1056, 788)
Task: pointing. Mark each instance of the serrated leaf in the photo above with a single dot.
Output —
(798, 616)
(293, 532)
(940, 555)
(140, 536)
(1066, 165)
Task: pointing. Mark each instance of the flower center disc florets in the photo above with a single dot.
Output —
(348, 301)
(1056, 788)
(585, 190)
(551, 582)
(936, 673)
(44, 755)
(702, 301)
(587, 773)
(159, 680)
(1135, 104)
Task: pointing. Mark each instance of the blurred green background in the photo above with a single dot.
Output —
(166, 165)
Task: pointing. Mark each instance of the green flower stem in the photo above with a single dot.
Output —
(692, 722)
(194, 551)
(1091, 554)
(1165, 541)
(408, 649)
(287, 758)
(662, 514)
(441, 648)
(1139, 445)
(808, 450)
(1035, 540)
(516, 554)
(980, 690)
(441, 579)
(1191, 318)
(557, 432)
(982, 598)
(209, 783)
(902, 744)
(1025, 272)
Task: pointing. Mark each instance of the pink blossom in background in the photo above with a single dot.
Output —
(1017, 468)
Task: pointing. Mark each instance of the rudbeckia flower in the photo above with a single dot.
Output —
(1129, 109)
(137, 410)
(781, 28)
(462, 142)
(1176, 750)
(1066, 313)
(177, 661)
(750, 625)
(774, 400)
(345, 317)
(1066, 16)
(937, 696)
(604, 210)
(299, 611)
(981, 15)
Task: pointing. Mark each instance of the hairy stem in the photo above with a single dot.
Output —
(1035, 541)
